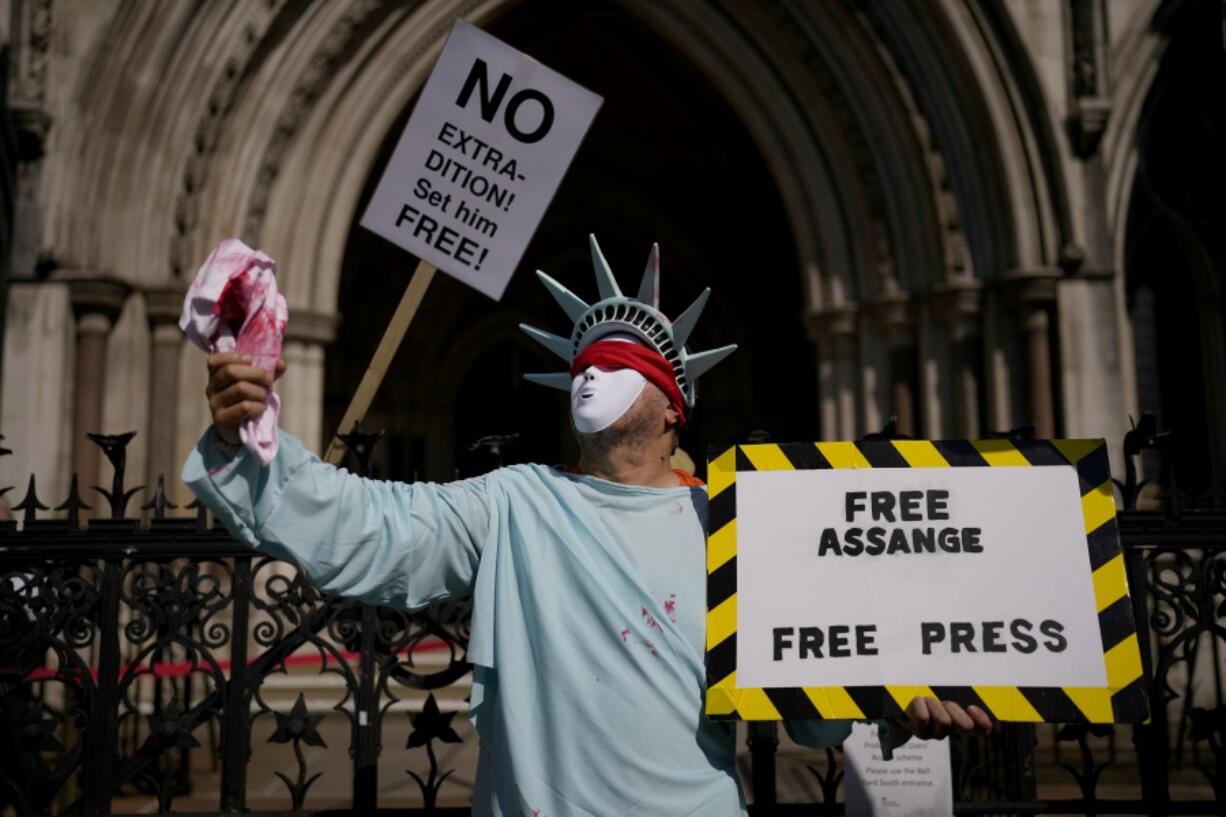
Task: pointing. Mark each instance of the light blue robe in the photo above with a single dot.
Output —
(587, 631)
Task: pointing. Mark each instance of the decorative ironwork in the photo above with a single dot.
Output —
(128, 648)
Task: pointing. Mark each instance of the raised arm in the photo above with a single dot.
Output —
(382, 542)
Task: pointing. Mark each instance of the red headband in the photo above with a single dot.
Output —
(612, 355)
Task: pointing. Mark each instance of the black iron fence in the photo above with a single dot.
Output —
(150, 663)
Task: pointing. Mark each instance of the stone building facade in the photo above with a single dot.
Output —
(943, 203)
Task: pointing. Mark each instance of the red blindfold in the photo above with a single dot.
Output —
(613, 355)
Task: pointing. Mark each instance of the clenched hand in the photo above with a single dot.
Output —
(237, 391)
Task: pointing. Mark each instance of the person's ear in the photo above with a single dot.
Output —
(671, 419)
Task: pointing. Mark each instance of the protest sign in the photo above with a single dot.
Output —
(480, 159)
(467, 184)
(915, 782)
(845, 579)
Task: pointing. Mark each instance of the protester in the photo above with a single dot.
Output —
(589, 584)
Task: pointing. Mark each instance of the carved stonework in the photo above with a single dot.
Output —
(827, 325)
(1030, 288)
(945, 204)
(852, 132)
(306, 326)
(895, 318)
(27, 87)
(958, 305)
(1087, 122)
(95, 294)
(163, 305)
(340, 43)
(1089, 100)
(210, 127)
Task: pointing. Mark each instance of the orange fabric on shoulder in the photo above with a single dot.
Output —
(686, 479)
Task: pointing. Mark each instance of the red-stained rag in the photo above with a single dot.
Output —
(612, 355)
(233, 305)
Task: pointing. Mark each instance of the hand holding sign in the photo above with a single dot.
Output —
(931, 718)
(470, 178)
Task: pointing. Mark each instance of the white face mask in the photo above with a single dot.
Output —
(599, 398)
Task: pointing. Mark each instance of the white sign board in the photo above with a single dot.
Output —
(479, 160)
(915, 782)
(846, 579)
(1004, 597)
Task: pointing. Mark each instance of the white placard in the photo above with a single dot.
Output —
(480, 159)
(1006, 600)
(916, 782)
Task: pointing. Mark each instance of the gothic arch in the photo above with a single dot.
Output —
(905, 140)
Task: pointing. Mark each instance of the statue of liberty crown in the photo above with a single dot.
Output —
(617, 313)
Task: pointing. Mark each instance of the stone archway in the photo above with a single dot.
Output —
(912, 161)
(648, 171)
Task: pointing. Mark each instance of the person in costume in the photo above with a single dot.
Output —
(589, 586)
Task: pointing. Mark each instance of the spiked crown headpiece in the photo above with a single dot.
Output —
(617, 313)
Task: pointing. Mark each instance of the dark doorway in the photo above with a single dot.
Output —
(1176, 245)
(666, 160)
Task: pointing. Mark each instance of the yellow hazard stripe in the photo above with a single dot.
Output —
(1098, 506)
(920, 454)
(753, 705)
(843, 455)
(721, 622)
(1094, 703)
(721, 472)
(999, 453)
(1008, 703)
(1110, 583)
(719, 701)
(833, 703)
(1123, 663)
(721, 546)
(904, 695)
(1076, 450)
(766, 457)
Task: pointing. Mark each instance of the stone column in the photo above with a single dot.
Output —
(96, 304)
(834, 333)
(1034, 292)
(162, 308)
(958, 306)
(302, 389)
(895, 321)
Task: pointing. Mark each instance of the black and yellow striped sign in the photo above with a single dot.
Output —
(1122, 700)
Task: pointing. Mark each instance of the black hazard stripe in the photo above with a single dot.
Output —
(1115, 622)
(721, 584)
(804, 456)
(882, 454)
(1130, 704)
(960, 453)
(721, 660)
(875, 699)
(1053, 704)
(792, 702)
(1103, 543)
(1040, 452)
(1093, 469)
(722, 509)
(962, 696)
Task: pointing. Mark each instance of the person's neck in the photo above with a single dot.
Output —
(648, 466)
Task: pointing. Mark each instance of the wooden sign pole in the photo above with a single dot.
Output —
(382, 358)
